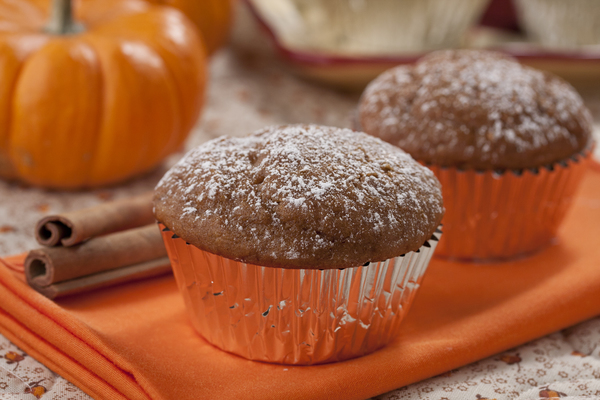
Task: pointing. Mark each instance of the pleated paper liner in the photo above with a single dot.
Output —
(296, 316)
(501, 215)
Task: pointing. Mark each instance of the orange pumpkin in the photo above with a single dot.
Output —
(212, 17)
(98, 100)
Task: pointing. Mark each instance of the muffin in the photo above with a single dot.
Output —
(507, 142)
(298, 244)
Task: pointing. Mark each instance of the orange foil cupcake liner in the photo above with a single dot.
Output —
(295, 316)
(501, 215)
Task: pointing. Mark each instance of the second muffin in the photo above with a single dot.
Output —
(506, 142)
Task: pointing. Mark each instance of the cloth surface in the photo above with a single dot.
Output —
(24, 378)
(561, 365)
(110, 342)
(567, 361)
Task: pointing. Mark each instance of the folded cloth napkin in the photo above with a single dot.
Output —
(134, 341)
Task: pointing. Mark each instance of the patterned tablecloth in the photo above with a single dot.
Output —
(248, 90)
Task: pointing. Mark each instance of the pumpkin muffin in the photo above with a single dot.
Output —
(276, 226)
(501, 138)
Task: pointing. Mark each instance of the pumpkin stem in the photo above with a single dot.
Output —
(61, 19)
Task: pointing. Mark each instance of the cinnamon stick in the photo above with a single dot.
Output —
(145, 270)
(75, 227)
(110, 259)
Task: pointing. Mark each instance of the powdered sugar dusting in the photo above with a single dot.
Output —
(302, 191)
(476, 108)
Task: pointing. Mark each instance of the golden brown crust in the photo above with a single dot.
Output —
(476, 110)
(301, 196)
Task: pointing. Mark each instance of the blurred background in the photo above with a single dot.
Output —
(306, 61)
(346, 42)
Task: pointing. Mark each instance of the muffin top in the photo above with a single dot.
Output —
(476, 110)
(300, 196)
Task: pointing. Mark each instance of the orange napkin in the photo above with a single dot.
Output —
(134, 341)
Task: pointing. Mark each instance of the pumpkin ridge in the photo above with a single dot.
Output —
(179, 99)
(145, 155)
(7, 168)
(189, 114)
(101, 107)
(21, 57)
(172, 143)
(58, 158)
(142, 165)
